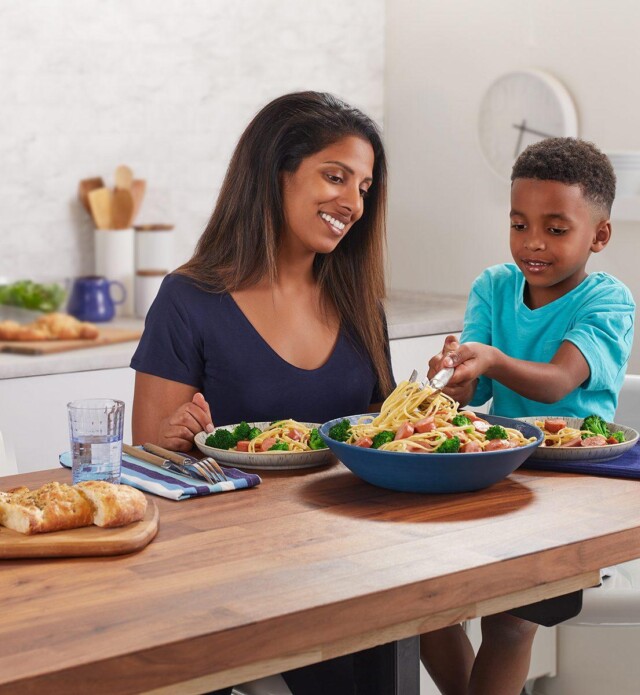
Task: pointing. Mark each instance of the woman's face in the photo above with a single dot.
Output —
(324, 197)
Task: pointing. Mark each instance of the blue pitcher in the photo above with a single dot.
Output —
(91, 298)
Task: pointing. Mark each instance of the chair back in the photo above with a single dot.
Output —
(628, 411)
(8, 465)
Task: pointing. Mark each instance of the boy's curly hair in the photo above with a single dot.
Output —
(571, 161)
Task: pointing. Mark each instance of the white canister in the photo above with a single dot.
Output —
(147, 285)
(154, 246)
(115, 260)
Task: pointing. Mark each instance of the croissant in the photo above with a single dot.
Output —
(53, 326)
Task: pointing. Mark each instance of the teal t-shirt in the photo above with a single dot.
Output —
(597, 317)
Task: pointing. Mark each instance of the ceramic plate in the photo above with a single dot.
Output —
(266, 460)
(579, 453)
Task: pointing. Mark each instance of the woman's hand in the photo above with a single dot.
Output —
(177, 431)
(168, 413)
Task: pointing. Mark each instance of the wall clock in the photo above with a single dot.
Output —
(520, 108)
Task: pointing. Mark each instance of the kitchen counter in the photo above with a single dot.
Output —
(409, 315)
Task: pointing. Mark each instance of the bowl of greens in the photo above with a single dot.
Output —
(24, 300)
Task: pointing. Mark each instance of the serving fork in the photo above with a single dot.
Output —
(439, 381)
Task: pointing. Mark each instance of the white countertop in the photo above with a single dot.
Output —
(408, 314)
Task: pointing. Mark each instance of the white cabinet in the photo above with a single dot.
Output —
(408, 354)
(33, 411)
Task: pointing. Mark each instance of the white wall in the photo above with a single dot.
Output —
(448, 211)
(166, 86)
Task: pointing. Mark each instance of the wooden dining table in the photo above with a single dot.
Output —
(307, 566)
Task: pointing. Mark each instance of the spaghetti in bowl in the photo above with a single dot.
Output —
(407, 471)
(421, 442)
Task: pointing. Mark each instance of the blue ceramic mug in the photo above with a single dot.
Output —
(91, 298)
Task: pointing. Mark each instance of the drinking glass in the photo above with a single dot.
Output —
(95, 430)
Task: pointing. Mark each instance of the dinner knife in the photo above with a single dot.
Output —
(168, 465)
(174, 456)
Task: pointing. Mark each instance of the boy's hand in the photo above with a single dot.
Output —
(451, 344)
(470, 360)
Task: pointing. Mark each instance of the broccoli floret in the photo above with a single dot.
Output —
(242, 431)
(449, 446)
(461, 421)
(619, 436)
(382, 438)
(279, 446)
(315, 440)
(221, 439)
(596, 425)
(254, 432)
(496, 432)
(341, 431)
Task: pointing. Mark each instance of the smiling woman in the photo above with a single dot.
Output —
(279, 311)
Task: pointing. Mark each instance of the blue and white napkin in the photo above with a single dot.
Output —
(158, 481)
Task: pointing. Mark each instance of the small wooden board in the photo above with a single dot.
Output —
(108, 336)
(82, 542)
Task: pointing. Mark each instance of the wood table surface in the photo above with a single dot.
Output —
(302, 568)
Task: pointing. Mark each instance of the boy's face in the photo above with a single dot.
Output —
(554, 229)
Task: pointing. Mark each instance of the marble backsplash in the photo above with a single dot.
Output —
(165, 86)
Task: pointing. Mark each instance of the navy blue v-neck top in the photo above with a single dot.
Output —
(205, 340)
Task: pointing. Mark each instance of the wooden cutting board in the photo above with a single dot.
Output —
(81, 542)
(107, 336)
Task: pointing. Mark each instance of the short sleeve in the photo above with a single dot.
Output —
(603, 332)
(477, 329)
(171, 346)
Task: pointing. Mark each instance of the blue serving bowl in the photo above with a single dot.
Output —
(434, 473)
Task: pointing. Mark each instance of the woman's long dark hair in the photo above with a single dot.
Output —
(239, 246)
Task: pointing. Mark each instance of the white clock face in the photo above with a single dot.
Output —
(521, 108)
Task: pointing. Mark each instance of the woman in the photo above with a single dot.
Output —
(278, 313)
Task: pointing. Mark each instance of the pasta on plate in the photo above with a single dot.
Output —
(281, 436)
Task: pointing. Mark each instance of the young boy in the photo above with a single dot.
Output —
(541, 336)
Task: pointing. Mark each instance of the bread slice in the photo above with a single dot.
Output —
(56, 506)
(52, 507)
(113, 505)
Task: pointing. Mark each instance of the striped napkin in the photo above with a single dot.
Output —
(158, 481)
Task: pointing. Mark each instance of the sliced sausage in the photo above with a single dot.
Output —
(598, 440)
(427, 424)
(554, 425)
(576, 441)
(405, 430)
(296, 435)
(481, 425)
(469, 414)
(242, 445)
(267, 443)
(497, 444)
(364, 442)
(470, 448)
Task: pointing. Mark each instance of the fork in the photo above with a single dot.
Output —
(207, 467)
(439, 381)
(211, 466)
